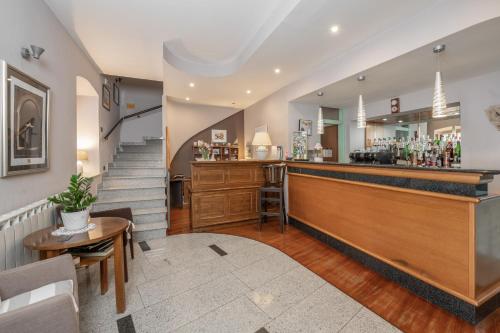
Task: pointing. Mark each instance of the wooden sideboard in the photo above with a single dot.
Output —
(225, 191)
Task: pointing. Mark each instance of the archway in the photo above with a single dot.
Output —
(87, 125)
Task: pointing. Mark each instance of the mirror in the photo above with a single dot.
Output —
(413, 124)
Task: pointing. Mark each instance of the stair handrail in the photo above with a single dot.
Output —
(132, 115)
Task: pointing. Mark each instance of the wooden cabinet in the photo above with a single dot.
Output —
(225, 191)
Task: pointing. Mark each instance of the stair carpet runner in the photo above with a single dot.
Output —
(136, 179)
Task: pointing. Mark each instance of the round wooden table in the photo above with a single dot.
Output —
(106, 227)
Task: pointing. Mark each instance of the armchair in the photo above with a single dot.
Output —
(56, 314)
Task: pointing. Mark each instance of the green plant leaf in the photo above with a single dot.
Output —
(77, 197)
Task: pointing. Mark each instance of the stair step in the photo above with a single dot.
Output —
(105, 194)
(131, 181)
(148, 215)
(151, 226)
(150, 139)
(148, 231)
(138, 163)
(138, 156)
(145, 148)
(131, 202)
(136, 171)
(137, 212)
(133, 199)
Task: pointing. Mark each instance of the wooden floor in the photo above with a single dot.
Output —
(395, 304)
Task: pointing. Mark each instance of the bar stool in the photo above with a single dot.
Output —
(275, 178)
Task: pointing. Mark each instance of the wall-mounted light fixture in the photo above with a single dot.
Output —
(36, 52)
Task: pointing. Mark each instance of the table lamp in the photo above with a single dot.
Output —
(81, 155)
(261, 140)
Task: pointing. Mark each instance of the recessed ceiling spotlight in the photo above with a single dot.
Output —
(191, 84)
(248, 92)
(320, 93)
(334, 29)
(277, 71)
(385, 119)
(233, 103)
(188, 99)
(400, 121)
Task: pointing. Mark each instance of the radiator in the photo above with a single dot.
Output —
(16, 225)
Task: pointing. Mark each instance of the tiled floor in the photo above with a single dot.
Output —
(183, 285)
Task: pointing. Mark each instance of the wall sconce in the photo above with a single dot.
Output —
(36, 52)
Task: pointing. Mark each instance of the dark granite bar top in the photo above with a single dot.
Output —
(404, 167)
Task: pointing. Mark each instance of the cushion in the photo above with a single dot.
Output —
(37, 295)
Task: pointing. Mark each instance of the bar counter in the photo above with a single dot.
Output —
(434, 231)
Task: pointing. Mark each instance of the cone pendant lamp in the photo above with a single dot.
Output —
(439, 99)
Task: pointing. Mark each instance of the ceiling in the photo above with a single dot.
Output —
(225, 47)
(470, 52)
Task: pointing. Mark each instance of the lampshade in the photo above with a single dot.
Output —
(439, 100)
(321, 122)
(261, 139)
(361, 113)
(82, 155)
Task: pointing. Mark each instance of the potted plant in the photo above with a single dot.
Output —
(75, 202)
(204, 151)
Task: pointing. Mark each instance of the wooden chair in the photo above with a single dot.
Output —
(125, 213)
(275, 178)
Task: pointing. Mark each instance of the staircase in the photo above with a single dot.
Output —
(136, 179)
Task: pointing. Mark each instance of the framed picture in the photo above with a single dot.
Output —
(106, 98)
(219, 136)
(305, 126)
(116, 94)
(24, 122)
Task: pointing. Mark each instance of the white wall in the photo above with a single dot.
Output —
(298, 111)
(26, 22)
(144, 94)
(107, 119)
(480, 140)
(87, 112)
(185, 120)
(422, 29)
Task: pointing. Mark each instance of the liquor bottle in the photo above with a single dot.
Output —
(458, 153)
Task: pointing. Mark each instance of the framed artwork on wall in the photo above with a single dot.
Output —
(24, 122)
(116, 94)
(106, 98)
(219, 136)
(305, 126)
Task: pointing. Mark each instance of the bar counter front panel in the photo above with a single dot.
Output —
(442, 240)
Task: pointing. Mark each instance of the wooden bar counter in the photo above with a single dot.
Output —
(225, 191)
(436, 232)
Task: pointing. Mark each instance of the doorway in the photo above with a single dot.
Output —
(87, 128)
(330, 143)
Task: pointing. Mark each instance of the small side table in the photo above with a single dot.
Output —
(106, 227)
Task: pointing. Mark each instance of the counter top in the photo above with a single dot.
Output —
(403, 167)
(235, 162)
(465, 182)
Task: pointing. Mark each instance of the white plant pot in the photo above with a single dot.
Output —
(76, 220)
